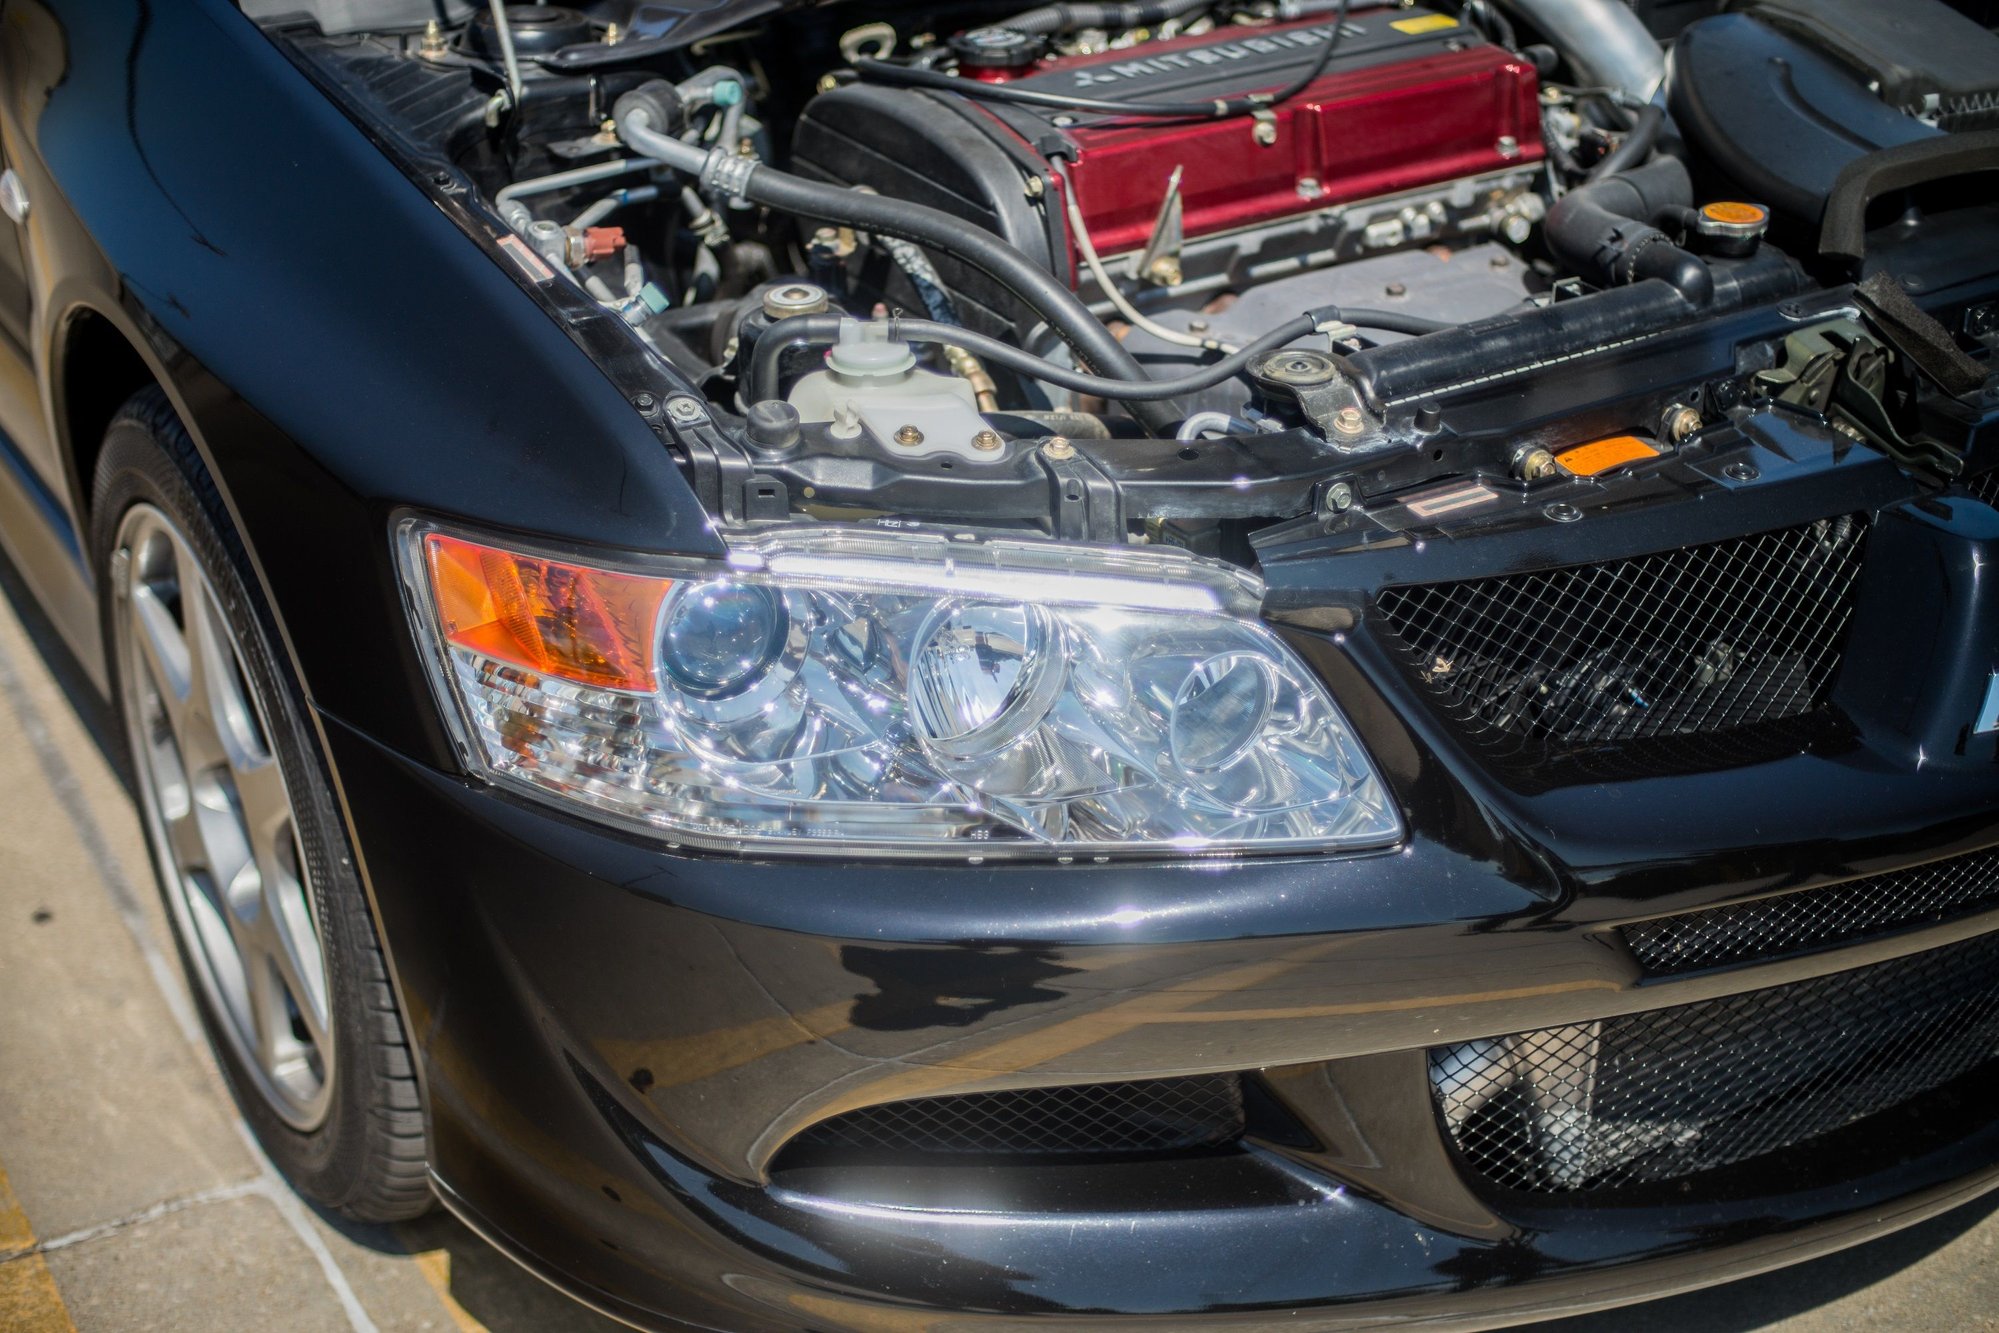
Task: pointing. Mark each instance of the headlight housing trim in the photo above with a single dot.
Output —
(822, 751)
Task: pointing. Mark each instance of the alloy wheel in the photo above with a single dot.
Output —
(215, 804)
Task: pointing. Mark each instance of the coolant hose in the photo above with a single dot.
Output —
(1094, 344)
(808, 330)
(1598, 231)
(1635, 147)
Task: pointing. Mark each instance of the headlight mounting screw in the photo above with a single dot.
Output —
(1681, 422)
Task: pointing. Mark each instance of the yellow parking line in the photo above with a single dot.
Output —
(435, 1265)
(29, 1300)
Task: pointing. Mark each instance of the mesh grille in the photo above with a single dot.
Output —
(1768, 927)
(1158, 1115)
(1986, 487)
(1687, 642)
(1660, 1095)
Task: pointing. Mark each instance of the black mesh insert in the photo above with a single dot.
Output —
(1157, 1115)
(1770, 927)
(1661, 1095)
(1986, 487)
(1690, 642)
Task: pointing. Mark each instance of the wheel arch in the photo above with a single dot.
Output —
(95, 371)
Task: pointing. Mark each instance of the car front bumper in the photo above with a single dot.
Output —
(617, 1041)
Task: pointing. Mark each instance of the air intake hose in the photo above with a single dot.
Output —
(1601, 231)
(1093, 343)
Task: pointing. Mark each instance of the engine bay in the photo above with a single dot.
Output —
(1224, 276)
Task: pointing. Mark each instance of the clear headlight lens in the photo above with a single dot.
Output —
(892, 694)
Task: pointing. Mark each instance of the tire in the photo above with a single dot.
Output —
(247, 843)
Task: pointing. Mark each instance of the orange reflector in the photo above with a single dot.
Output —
(1587, 460)
(591, 626)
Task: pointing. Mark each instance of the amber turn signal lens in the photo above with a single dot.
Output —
(587, 625)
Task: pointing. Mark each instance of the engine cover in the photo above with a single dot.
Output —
(1412, 98)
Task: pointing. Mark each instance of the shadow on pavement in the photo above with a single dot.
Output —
(99, 719)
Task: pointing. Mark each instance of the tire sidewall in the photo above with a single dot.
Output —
(148, 458)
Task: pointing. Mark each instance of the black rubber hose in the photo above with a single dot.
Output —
(1221, 108)
(1634, 147)
(1094, 344)
(1599, 230)
(807, 330)
(1068, 18)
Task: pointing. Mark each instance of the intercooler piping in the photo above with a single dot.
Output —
(1604, 41)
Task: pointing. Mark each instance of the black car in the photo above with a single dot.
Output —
(1201, 663)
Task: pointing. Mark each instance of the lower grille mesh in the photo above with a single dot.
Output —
(1687, 642)
(1665, 1094)
(1791, 922)
(1157, 1115)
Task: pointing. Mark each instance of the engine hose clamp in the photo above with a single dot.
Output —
(728, 173)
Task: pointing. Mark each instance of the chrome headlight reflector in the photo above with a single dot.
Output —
(894, 694)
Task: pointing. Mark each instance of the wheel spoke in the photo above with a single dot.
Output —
(165, 654)
(222, 691)
(295, 931)
(270, 1017)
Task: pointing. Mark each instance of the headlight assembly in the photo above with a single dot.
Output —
(840, 693)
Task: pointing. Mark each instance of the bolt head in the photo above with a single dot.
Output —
(909, 437)
(1349, 421)
(1681, 422)
(685, 410)
(1058, 448)
(1339, 497)
(1300, 367)
(987, 439)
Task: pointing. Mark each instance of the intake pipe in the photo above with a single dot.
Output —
(1602, 231)
(1603, 40)
(640, 111)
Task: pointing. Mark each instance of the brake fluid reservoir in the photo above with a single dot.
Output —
(873, 384)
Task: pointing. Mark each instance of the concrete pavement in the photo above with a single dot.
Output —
(131, 1198)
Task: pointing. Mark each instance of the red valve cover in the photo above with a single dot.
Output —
(1412, 98)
